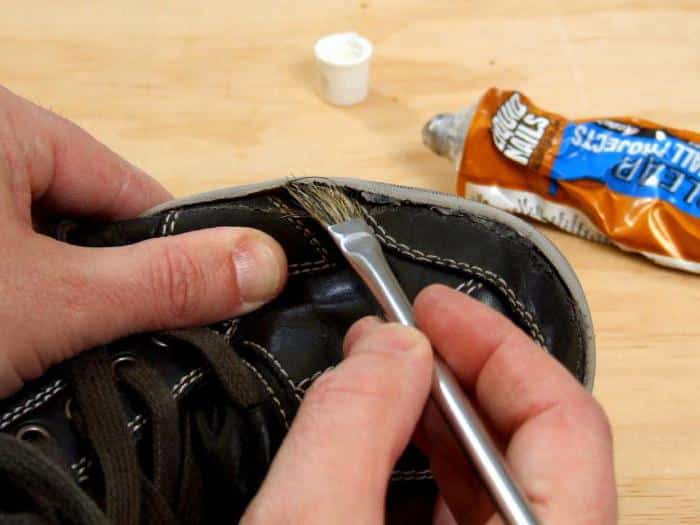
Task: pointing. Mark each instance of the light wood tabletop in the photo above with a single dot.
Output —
(219, 93)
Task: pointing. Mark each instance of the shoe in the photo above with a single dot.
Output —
(181, 426)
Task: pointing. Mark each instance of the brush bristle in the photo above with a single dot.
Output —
(325, 202)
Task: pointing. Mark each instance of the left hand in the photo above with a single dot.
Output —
(57, 300)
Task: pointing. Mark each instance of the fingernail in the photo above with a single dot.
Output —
(260, 268)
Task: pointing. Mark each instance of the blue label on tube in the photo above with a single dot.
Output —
(633, 161)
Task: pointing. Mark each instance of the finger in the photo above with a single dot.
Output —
(560, 445)
(95, 295)
(360, 329)
(512, 377)
(68, 170)
(349, 432)
(190, 279)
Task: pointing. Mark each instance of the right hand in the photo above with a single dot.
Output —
(335, 463)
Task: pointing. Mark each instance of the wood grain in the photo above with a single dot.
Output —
(220, 93)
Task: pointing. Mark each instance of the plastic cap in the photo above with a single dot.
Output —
(343, 64)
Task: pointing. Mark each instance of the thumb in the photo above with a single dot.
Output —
(349, 432)
(185, 280)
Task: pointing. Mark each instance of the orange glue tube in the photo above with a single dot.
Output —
(625, 180)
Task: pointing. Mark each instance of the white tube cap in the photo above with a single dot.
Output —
(343, 65)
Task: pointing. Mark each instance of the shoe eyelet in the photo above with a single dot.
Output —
(159, 342)
(121, 361)
(31, 432)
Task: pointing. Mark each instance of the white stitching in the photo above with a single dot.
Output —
(303, 385)
(470, 286)
(310, 266)
(458, 265)
(191, 377)
(275, 362)
(185, 381)
(307, 264)
(313, 269)
(236, 206)
(81, 466)
(36, 401)
(172, 222)
(166, 222)
(168, 227)
(290, 216)
(231, 330)
(465, 284)
(411, 475)
(80, 469)
(57, 386)
(78, 465)
(269, 391)
(411, 472)
(486, 275)
(135, 424)
(473, 288)
(416, 254)
(139, 420)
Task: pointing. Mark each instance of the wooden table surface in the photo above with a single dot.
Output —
(218, 93)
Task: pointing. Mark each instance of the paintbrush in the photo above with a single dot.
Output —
(344, 220)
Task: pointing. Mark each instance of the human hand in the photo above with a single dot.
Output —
(57, 299)
(355, 421)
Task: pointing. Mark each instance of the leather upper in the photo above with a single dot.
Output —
(298, 336)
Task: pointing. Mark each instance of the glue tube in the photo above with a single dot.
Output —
(623, 180)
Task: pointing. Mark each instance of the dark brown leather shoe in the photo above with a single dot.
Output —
(180, 427)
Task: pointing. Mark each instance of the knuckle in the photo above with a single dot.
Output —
(179, 280)
(585, 412)
(364, 326)
(396, 341)
(358, 330)
(599, 420)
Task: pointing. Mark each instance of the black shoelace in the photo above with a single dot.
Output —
(168, 485)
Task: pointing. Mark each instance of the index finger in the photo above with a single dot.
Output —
(559, 442)
(512, 378)
(68, 170)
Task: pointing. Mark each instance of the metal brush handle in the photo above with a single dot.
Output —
(364, 253)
